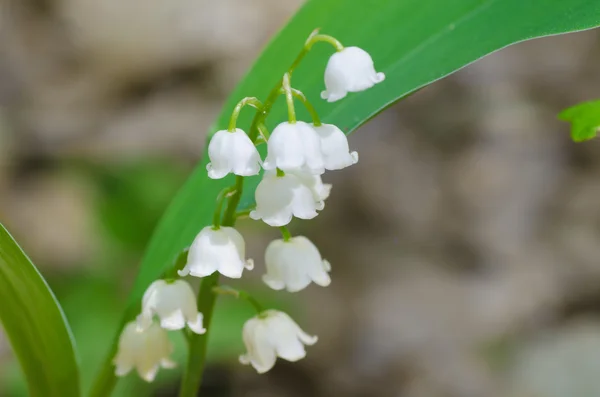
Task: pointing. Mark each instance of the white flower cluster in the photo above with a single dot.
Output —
(298, 153)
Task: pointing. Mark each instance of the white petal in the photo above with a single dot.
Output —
(195, 324)
(173, 321)
(167, 363)
(334, 146)
(275, 283)
(148, 374)
(123, 369)
(288, 336)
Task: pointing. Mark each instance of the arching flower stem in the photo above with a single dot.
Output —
(289, 98)
(222, 196)
(250, 101)
(240, 294)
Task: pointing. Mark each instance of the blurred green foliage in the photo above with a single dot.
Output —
(584, 119)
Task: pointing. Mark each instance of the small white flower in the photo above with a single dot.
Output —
(232, 152)
(174, 303)
(279, 198)
(293, 264)
(272, 334)
(145, 350)
(294, 147)
(349, 70)
(334, 147)
(222, 250)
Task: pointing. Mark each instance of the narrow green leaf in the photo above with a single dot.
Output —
(584, 119)
(414, 42)
(35, 325)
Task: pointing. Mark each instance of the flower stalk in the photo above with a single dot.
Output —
(194, 370)
(250, 101)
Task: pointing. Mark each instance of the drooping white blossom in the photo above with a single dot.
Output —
(349, 70)
(222, 250)
(273, 334)
(174, 303)
(294, 264)
(146, 351)
(232, 152)
(334, 147)
(294, 147)
(279, 198)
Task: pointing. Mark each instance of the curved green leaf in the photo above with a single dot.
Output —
(415, 42)
(35, 325)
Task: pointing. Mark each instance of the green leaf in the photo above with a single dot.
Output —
(414, 42)
(35, 325)
(584, 119)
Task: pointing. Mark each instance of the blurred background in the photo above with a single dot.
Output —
(465, 244)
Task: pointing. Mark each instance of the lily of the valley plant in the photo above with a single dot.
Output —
(298, 154)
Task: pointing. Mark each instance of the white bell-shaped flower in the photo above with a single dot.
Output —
(294, 147)
(144, 350)
(232, 152)
(349, 70)
(279, 198)
(222, 250)
(294, 264)
(273, 334)
(174, 303)
(334, 147)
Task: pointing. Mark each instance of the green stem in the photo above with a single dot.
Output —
(285, 233)
(259, 117)
(289, 98)
(240, 294)
(315, 38)
(311, 109)
(251, 101)
(223, 194)
(263, 132)
(245, 213)
(192, 375)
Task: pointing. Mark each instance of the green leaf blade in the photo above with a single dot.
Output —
(35, 325)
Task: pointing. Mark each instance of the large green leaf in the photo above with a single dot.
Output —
(415, 42)
(35, 325)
